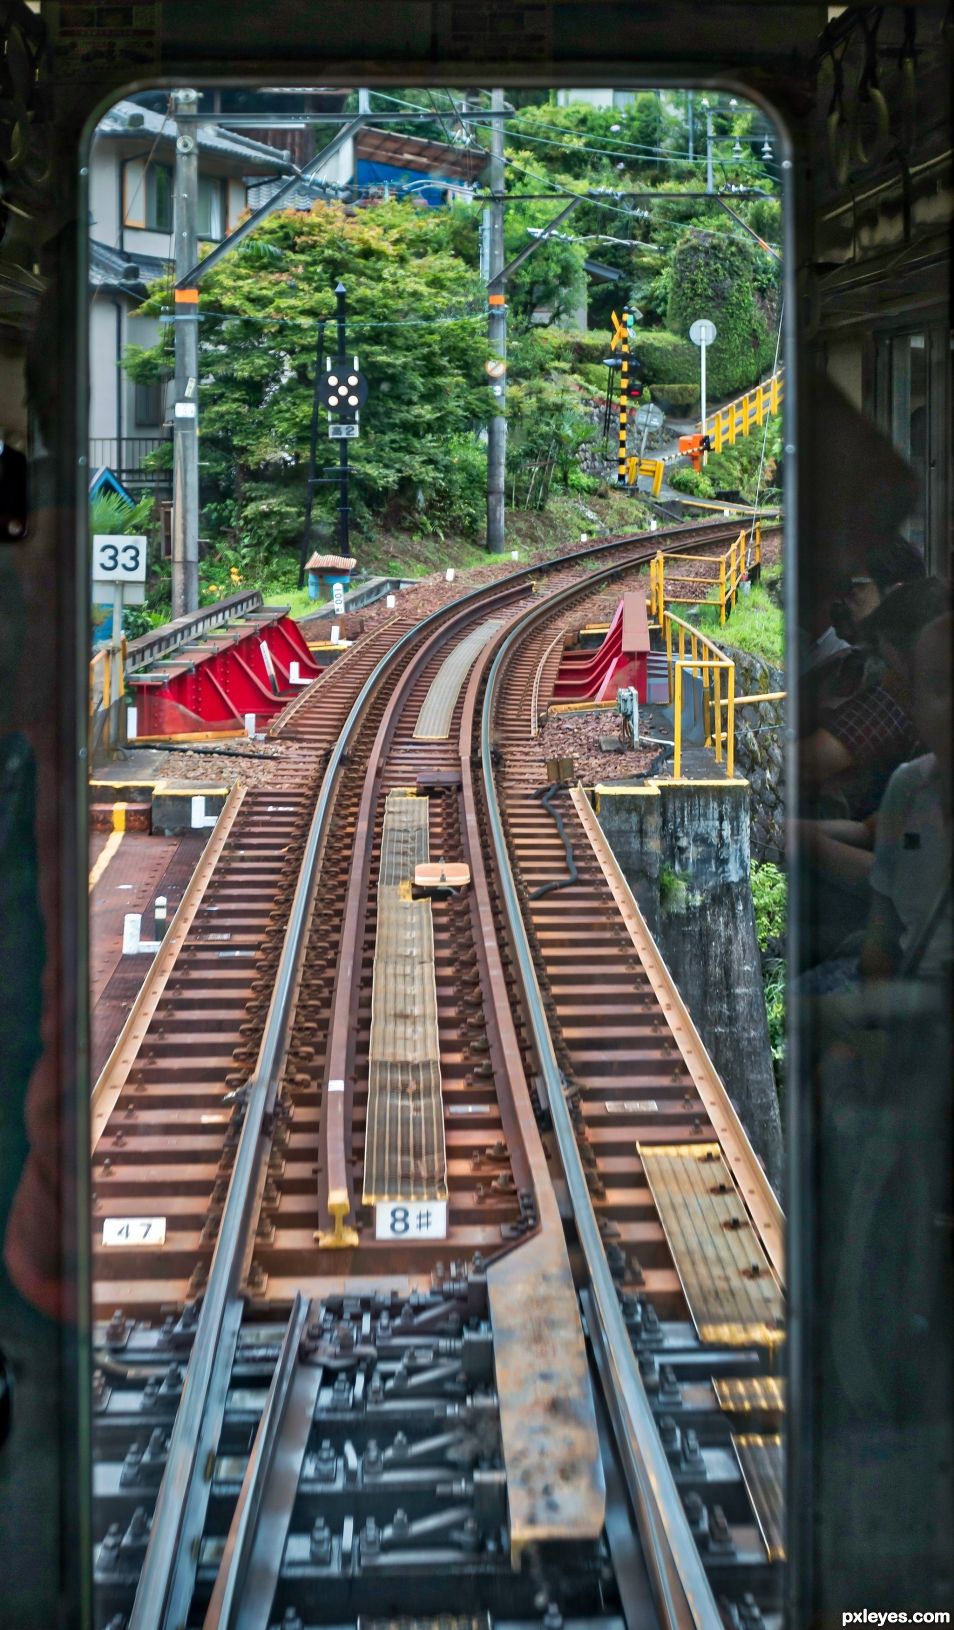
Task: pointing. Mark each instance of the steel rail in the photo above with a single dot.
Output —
(336, 1201)
(115, 1072)
(683, 1592)
(225, 1605)
(167, 1579)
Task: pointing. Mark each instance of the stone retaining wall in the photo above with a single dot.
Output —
(760, 751)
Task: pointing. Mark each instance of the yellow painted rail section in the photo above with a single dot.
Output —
(740, 417)
(734, 566)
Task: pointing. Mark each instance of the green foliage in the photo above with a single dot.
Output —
(770, 899)
(737, 469)
(670, 366)
(756, 624)
(664, 357)
(673, 891)
(694, 483)
(773, 985)
(109, 513)
(713, 275)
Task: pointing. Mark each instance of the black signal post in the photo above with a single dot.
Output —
(343, 507)
(342, 389)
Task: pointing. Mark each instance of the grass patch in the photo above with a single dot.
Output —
(755, 625)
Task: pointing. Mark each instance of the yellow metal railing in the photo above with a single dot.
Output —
(745, 701)
(112, 681)
(738, 418)
(734, 566)
(706, 662)
(653, 467)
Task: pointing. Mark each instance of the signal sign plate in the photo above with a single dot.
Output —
(344, 432)
(410, 1219)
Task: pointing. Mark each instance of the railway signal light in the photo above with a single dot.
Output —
(344, 388)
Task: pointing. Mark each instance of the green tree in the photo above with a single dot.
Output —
(713, 275)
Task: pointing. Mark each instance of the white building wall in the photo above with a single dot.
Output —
(104, 194)
(102, 367)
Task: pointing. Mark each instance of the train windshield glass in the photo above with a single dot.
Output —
(438, 880)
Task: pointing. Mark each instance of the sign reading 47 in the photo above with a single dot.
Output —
(410, 1219)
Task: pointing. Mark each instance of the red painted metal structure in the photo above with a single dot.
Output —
(254, 664)
(595, 676)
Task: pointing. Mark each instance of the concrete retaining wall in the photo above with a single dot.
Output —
(684, 849)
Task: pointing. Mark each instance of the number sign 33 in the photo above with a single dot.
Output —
(119, 559)
(410, 1219)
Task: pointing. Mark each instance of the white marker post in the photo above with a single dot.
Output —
(449, 574)
(391, 601)
(703, 333)
(250, 725)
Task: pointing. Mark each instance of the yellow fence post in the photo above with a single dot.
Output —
(677, 725)
(668, 623)
(717, 690)
(722, 590)
(730, 725)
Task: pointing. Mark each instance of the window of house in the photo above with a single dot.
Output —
(210, 214)
(159, 198)
(148, 403)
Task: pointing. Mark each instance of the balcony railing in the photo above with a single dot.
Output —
(127, 460)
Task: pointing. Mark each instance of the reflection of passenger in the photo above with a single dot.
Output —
(909, 929)
(840, 850)
(859, 729)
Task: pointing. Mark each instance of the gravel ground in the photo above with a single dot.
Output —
(222, 766)
(577, 736)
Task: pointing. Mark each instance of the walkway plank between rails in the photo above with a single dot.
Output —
(762, 1460)
(733, 1295)
(437, 708)
(405, 1158)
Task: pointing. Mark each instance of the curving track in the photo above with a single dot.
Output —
(305, 1417)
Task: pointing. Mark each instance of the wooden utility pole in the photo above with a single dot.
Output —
(497, 334)
(185, 488)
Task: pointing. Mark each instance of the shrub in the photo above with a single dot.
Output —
(713, 275)
(664, 357)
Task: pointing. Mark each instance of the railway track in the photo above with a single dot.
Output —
(360, 1150)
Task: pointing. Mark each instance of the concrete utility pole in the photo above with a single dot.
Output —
(710, 184)
(497, 334)
(185, 490)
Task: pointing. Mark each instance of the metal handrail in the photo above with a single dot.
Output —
(739, 415)
(733, 565)
(716, 664)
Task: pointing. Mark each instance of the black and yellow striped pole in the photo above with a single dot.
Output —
(621, 327)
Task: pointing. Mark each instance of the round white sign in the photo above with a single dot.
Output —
(702, 331)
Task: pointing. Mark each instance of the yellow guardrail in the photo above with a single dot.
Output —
(653, 467)
(733, 565)
(706, 662)
(738, 418)
(111, 683)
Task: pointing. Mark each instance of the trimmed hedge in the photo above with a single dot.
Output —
(664, 357)
(713, 275)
